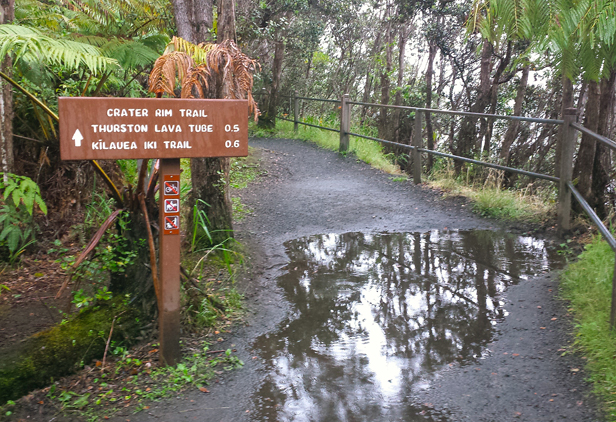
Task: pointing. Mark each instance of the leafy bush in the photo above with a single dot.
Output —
(19, 194)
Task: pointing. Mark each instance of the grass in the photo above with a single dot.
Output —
(368, 151)
(489, 199)
(587, 284)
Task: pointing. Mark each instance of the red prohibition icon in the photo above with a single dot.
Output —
(172, 222)
(172, 187)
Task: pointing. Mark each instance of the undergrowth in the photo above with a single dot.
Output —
(370, 152)
(489, 199)
(587, 285)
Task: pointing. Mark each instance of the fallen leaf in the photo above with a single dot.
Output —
(153, 351)
(516, 354)
(551, 399)
(217, 332)
(543, 328)
(538, 307)
(41, 402)
(99, 363)
(554, 319)
(204, 390)
(575, 370)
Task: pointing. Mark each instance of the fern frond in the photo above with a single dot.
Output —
(29, 44)
(167, 69)
(197, 51)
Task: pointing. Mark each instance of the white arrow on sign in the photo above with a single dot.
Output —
(77, 137)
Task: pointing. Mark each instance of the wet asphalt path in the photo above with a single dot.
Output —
(311, 191)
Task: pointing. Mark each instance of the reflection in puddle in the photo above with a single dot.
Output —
(374, 314)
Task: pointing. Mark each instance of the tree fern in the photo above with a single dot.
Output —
(30, 45)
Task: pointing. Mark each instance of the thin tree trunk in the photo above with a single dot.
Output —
(429, 72)
(7, 10)
(603, 155)
(402, 39)
(514, 126)
(504, 62)
(276, 74)
(385, 82)
(588, 146)
(468, 129)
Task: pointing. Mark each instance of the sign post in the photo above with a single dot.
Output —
(165, 128)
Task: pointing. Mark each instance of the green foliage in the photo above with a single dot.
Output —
(22, 190)
(18, 228)
(31, 46)
(587, 285)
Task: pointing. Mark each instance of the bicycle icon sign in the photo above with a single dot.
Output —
(172, 187)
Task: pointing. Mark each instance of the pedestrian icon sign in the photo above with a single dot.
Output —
(172, 187)
(172, 222)
(172, 205)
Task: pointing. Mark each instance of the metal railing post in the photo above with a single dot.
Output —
(417, 143)
(295, 111)
(566, 170)
(345, 123)
(613, 310)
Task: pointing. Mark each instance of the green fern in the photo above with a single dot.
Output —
(32, 46)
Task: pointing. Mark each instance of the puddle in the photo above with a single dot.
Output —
(374, 315)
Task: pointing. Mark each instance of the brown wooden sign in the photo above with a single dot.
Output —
(130, 128)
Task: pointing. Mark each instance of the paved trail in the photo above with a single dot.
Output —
(311, 191)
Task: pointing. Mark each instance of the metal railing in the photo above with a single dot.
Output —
(566, 188)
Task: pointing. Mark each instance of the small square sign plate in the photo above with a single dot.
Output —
(172, 188)
(172, 224)
(172, 206)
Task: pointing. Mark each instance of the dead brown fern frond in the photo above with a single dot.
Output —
(234, 70)
(167, 69)
(197, 78)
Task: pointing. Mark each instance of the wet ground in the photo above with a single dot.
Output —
(375, 300)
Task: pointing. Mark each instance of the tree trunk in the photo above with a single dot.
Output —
(504, 62)
(429, 72)
(514, 126)
(603, 155)
(209, 175)
(402, 39)
(385, 82)
(7, 11)
(586, 154)
(468, 129)
(183, 11)
(204, 20)
(226, 20)
(276, 75)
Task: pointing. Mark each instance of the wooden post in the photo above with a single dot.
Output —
(566, 171)
(295, 111)
(169, 259)
(345, 124)
(417, 143)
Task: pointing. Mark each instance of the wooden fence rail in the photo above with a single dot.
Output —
(567, 143)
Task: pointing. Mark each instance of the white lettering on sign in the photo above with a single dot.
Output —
(192, 113)
(163, 112)
(100, 145)
(168, 128)
(119, 128)
(125, 112)
(149, 145)
(201, 128)
(177, 144)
